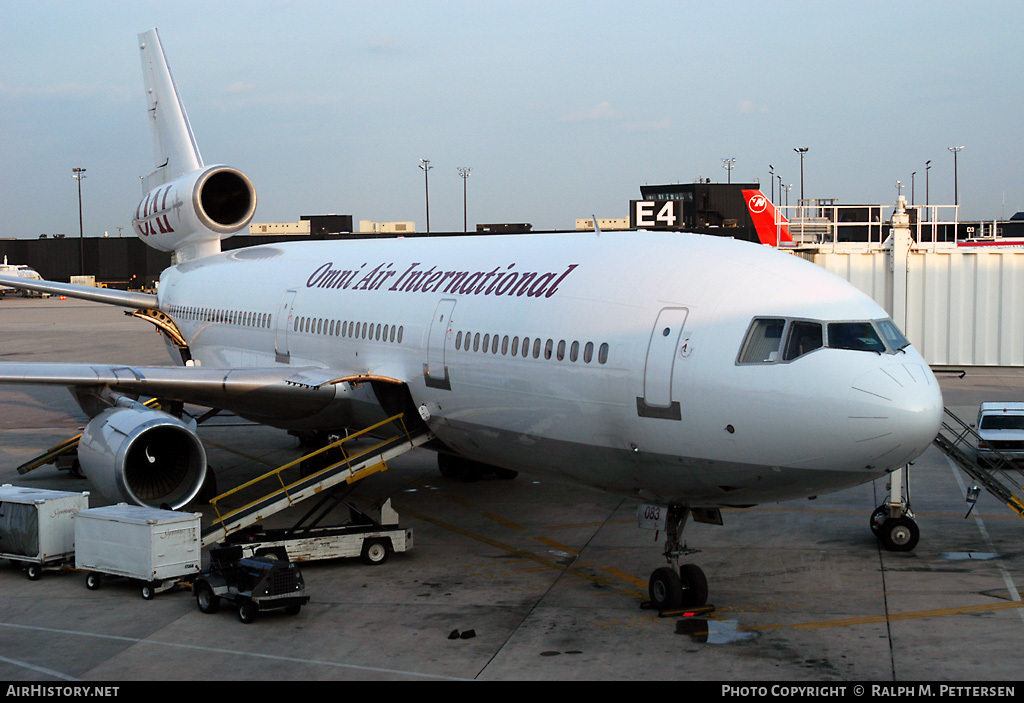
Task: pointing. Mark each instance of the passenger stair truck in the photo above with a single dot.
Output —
(998, 473)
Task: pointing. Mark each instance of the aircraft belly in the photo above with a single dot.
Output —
(696, 481)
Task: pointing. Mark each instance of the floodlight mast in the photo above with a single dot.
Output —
(79, 174)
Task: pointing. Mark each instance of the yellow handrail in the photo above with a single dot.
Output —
(346, 459)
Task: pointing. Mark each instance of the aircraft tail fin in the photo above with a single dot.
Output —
(175, 150)
(186, 207)
(771, 225)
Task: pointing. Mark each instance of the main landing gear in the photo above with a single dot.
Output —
(452, 466)
(673, 587)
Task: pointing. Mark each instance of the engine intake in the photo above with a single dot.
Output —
(224, 200)
(143, 456)
(206, 205)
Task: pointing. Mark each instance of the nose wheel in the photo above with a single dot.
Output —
(893, 522)
(673, 587)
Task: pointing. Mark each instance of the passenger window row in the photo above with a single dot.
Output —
(350, 329)
(527, 347)
(243, 318)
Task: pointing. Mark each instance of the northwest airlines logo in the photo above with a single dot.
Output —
(757, 203)
(416, 279)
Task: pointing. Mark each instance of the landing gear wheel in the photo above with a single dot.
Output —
(209, 490)
(878, 518)
(695, 586)
(899, 534)
(666, 589)
(446, 465)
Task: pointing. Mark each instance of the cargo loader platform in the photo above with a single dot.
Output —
(348, 469)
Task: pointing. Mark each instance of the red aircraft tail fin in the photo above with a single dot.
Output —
(763, 213)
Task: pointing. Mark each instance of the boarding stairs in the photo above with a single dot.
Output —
(998, 475)
(342, 467)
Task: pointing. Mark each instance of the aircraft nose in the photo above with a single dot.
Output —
(894, 413)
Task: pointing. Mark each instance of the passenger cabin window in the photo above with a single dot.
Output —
(764, 339)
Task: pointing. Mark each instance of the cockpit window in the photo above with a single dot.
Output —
(857, 336)
(893, 337)
(763, 341)
(804, 337)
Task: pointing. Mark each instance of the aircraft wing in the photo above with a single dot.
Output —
(111, 296)
(251, 392)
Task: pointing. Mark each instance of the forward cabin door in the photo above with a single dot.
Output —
(435, 371)
(664, 349)
(285, 319)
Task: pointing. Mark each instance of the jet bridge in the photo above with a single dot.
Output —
(997, 474)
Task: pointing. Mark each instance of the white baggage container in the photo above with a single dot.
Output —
(146, 544)
(37, 526)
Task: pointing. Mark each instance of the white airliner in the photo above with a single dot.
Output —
(19, 270)
(693, 372)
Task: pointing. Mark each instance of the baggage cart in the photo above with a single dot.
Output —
(37, 527)
(153, 546)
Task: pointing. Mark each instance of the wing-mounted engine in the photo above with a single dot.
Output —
(132, 453)
(190, 215)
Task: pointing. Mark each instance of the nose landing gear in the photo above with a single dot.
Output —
(673, 587)
(893, 522)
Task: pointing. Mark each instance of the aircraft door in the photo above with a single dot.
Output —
(435, 371)
(285, 318)
(662, 351)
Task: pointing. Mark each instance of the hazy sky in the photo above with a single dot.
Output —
(561, 109)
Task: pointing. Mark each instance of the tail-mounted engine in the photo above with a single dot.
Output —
(198, 209)
(132, 453)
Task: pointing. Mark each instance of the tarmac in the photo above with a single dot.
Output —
(529, 579)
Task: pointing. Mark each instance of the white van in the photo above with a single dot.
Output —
(1001, 427)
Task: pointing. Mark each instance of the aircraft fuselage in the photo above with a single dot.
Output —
(613, 359)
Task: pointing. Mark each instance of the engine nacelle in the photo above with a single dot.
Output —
(205, 206)
(138, 455)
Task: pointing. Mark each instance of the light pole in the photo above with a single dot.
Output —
(912, 187)
(425, 165)
(927, 168)
(956, 191)
(801, 151)
(464, 173)
(899, 189)
(79, 174)
(771, 170)
(727, 164)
